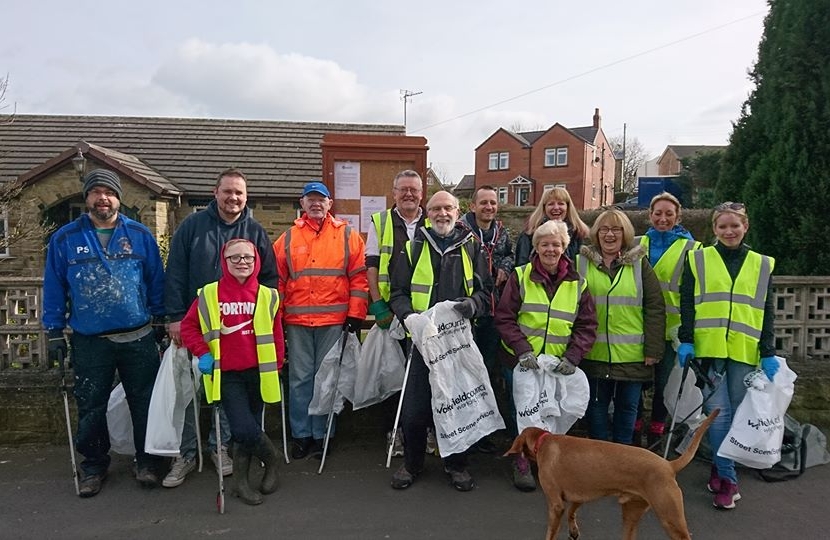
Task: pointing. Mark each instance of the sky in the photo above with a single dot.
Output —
(671, 72)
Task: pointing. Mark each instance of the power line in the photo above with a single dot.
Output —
(593, 70)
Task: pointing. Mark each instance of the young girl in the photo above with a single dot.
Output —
(555, 204)
(238, 317)
(727, 314)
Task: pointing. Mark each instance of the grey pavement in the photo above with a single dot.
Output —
(352, 499)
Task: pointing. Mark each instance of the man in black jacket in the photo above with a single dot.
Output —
(192, 262)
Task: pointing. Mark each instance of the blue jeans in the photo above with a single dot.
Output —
(95, 360)
(242, 402)
(189, 445)
(727, 377)
(661, 376)
(625, 395)
(307, 346)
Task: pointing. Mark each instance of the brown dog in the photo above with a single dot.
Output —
(576, 470)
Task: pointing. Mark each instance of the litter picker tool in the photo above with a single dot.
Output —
(220, 497)
(344, 337)
(400, 405)
(677, 404)
(62, 367)
(284, 429)
(196, 417)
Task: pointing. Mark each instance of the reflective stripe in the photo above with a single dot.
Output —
(328, 308)
(357, 293)
(725, 323)
(620, 339)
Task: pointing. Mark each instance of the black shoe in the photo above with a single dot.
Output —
(402, 478)
(301, 447)
(90, 485)
(460, 480)
(147, 477)
(317, 449)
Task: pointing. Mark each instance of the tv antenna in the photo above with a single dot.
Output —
(406, 97)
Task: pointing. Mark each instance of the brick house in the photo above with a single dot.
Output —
(521, 166)
(668, 164)
(168, 167)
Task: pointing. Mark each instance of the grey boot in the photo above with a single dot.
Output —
(243, 489)
(266, 453)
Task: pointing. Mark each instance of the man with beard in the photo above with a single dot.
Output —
(105, 270)
(444, 262)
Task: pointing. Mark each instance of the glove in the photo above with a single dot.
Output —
(685, 352)
(206, 363)
(353, 324)
(383, 315)
(770, 365)
(528, 361)
(419, 326)
(565, 367)
(466, 307)
(57, 344)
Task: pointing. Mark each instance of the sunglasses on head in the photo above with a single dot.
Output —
(729, 205)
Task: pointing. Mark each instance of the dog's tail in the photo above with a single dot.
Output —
(687, 456)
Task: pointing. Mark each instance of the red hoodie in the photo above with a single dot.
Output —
(236, 306)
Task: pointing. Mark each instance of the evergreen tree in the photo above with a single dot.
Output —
(778, 160)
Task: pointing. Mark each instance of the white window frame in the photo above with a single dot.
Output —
(501, 194)
(556, 157)
(493, 164)
(549, 187)
(4, 232)
(498, 161)
(504, 161)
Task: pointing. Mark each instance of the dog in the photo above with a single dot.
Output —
(576, 470)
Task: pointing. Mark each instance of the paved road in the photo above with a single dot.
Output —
(352, 500)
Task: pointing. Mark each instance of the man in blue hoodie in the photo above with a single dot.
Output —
(104, 270)
(194, 261)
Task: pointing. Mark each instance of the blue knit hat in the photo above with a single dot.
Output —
(102, 177)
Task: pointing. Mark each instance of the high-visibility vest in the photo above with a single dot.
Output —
(729, 316)
(423, 278)
(547, 323)
(669, 270)
(385, 231)
(619, 303)
(267, 304)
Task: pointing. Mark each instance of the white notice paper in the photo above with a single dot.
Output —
(346, 180)
(350, 218)
(368, 206)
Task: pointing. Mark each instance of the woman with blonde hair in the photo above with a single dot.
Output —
(555, 204)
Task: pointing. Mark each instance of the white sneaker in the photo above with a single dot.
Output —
(180, 469)
(432, 444)
(227, 463)
(397, 448)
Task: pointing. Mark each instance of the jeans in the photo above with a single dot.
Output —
(510, 406)
(625, 395)
(307, 346)
(661, 376)
(95, 360)
(727, 377)
(242, 402)
(189, 445)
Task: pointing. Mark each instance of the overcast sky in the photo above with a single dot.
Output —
(674, 72)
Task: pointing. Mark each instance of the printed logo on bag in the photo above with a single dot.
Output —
(468, 427)
(443, 355)
(530, 411)
(767, 425)
(460, 401)
(452, 327)
(753, 450)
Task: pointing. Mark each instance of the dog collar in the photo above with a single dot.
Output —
(539, 442)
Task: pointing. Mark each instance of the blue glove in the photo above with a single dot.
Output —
(685, 352)
(206, 363)
(770, 365)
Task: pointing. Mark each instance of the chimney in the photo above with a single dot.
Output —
(596, 118)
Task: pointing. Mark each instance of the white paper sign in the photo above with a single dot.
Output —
(346, 180)
(352, 219)
(368, 206)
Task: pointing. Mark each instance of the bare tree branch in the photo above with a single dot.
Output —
(635, 157)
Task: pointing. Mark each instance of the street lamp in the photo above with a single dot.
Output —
(79, 163)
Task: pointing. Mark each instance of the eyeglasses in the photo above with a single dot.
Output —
(605, 230)
(412, 190)
(729, 205)
(236, 259)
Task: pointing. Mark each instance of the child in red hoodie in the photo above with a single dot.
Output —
(234, 330)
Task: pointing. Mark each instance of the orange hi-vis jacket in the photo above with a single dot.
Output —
(322, 273)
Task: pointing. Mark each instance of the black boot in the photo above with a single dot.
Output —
(267, 454)
(243, 489)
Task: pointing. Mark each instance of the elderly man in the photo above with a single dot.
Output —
(323, 288)
(195, 261)
(385, 241)
(443, 262)
(105, 270)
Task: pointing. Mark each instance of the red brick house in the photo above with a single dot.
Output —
(521, 166)
(669, 164)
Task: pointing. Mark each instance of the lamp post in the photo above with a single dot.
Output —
(79, 163)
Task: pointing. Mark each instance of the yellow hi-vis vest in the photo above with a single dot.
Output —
(547, 323)
(729, 316)
(267, 304)
(669, 270)
(423, 278)
(619, 303)
(385, 231)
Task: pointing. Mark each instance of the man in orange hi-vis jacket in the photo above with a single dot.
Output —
(323, 287)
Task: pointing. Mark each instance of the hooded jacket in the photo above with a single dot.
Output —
(237, 302)
(194, 259)
(499, 250)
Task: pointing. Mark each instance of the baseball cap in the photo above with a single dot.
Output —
(316, 187)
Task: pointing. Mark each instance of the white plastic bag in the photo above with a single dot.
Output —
(757, 428)
(548, 400)
(463, 404)
(689, 409)
(120, 423)
(326, 377)
(380, 370)
(172, 392)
